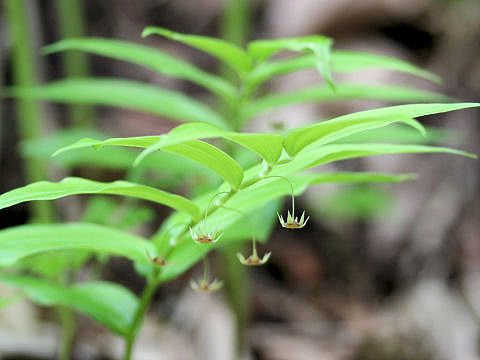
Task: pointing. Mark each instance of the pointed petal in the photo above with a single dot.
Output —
(148, 256)
(215, 285)
(194, 285)
(302, 217)
(193, 235)
(266, 257)
(306, 221)
(289, 217)
(241, 258)
(218, 238)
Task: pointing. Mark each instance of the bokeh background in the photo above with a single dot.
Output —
(380, 273)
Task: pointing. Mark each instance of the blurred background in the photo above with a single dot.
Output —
(379, 273)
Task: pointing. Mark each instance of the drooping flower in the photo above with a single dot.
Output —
(157, 260)
(253, 260)
(203, 237)
(292, 221)
(205, 285)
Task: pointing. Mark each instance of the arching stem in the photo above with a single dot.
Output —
(291, 187)
(210, 203)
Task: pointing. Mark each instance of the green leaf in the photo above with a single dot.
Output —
(341, 92)
(45, 190)
(232, 55)
(22, 241)
(262, 220)
(53, 264)
(171, 170)
(186, 253)
(399, 134)
(345, 61)
(154, 59)
(268, 146)
(356, 203)
(327, 131)
(122, 93)
(201, 152)
(342, 62)
(212, 157)
(334, 152)
(317, 44)
(323, 132)
(262, 49)
(139, 141)
(110, 304)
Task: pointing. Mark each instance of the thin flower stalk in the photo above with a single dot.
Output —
(292, 221)
(201, 236)
(205, 284)
(254, 259)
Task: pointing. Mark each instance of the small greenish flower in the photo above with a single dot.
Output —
(205, 285)
(157, 260)
(203, 237)
(292, 221)
(253, 260)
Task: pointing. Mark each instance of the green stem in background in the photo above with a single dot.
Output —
(235, 28)
(66, 317)
(236, 21)
(75, 63)
(142, 308)
(68, 324)
(28, 111)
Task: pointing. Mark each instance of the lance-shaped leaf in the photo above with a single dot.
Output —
(317, 44)
(187, 253)
(109, 304)
(329, 153)
(45, 190)
(109, 158)
(154, 59)
(399, 134)
(268, 146)
(323, 132)
(212, 157)
(327, 131)
(198, 151)
(342, 61)
(231, 54)
(342, 92)
(22, 241)
(346, 61)
(122, 93)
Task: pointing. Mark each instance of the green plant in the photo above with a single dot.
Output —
(244, 195)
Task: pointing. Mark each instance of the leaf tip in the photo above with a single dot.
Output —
(146, 32)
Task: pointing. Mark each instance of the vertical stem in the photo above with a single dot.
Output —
(145, 301)
(67, 321)
(236, 21)
(28, 111)
(235, 28)
(75, 63)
